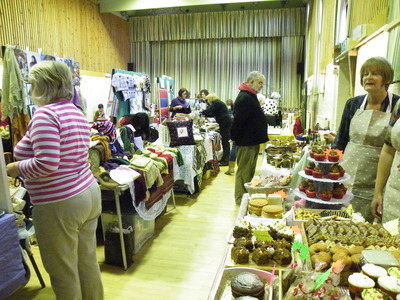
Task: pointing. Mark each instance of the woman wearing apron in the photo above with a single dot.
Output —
(387, 207)
(362, 132)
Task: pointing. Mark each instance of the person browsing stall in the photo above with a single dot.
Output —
(219, 110)
(179, 104)
(363, 129)
(249, 130)
(52, 159)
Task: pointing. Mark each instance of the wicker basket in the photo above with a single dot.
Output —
(262, 189)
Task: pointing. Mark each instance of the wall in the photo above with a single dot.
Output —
(70, 28)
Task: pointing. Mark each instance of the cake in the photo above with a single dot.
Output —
(282, 256)
(309, 168)
(325, 195)
(242, 228)
(285, 233)
(240, 255)
(319, 155)
(262, 244)
(390, 285)
(374, 294)
(303, 186)
(394, 271)
(334, 173)
(275, 227)
(359, 282)
(244, 242)
(311, 192)
(260, 256)
(255, 205)
(272, 211)
(373, 271)
(247, 284)
(321, 260)
(317, 172)
(333, 156)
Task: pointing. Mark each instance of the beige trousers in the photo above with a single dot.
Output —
(246, 161)
(66, 234)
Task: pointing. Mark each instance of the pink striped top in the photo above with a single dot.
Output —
(53, 154)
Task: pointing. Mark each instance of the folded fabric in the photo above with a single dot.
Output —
(124, 174)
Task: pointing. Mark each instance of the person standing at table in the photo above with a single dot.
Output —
(52, 159)
(387, 188)
(179, 104)
(249, 130)
(363, 129)
(219, 110)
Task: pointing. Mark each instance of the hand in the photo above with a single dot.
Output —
(178, 107)
(377, 206)
(12, 169)
(330, 137)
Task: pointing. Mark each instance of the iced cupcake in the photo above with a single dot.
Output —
(390, 285)
(359, 282)
(373, 271)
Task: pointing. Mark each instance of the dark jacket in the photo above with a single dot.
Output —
(219, 110)
(343, 134)
(249, 126)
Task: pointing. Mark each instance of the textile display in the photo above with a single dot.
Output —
(181, 133)
(270, 107)
(166, 92)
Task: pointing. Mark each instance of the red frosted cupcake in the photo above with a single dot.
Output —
(334, 173)
(309, 168)
(311, 192)
(325, 195)
(319, 155)
(303, 186)
(317, 172)
(333, 156)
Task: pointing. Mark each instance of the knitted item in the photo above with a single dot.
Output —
(105, 128)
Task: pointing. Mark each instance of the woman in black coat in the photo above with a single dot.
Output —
(219, 111)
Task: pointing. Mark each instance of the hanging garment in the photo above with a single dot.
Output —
(360, 160)
(391, 208)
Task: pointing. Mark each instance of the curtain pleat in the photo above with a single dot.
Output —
(216, 51)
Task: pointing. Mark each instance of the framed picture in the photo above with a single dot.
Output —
(32, 108)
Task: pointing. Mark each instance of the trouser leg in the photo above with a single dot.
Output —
(246, 160)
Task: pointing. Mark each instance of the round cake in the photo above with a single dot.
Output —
(272, 211)
(255, 206)
(359, 282)
(390, 285)
(374, 294)
(247, 284)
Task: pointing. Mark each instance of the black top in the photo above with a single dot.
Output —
(342, 136)
(219, 110)
(249, 126)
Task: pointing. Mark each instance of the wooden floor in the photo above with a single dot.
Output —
(179, 262)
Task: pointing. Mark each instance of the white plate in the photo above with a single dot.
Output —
(326, 161)
(345, 177)
(346, 198)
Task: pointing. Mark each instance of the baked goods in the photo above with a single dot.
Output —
(346, 260)
(247, 284)
(242, 228)
(272, 211)
(285, 233)
(317, 172)
(394, 271)
(333, 155)
(303, 186)
(243, 242)
(255, 205)
(282, 256)
(337, 249)
(325, 195)
(374, 294)
(318, 247)
(240, 255)
(355, 250)
(260, 256)
(262, 244)
(373, 271)
(390, 285)
(309, 168)
(322, 259)
(311, 192)
(359, 282)
(274, 199)
(319, 154)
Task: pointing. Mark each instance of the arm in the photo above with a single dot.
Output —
(384, 165)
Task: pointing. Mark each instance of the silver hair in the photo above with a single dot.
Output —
(254, 75)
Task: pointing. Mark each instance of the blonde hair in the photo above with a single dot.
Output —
(211, 97)
(51, 81)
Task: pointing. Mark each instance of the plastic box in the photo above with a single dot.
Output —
(143, 230)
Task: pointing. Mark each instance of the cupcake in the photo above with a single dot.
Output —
(334, 173)
(333, 155)
(341, 170)
(374, 294)
(394, 271)
(390, 285)
(317, 172)
(359, 282)
(373, 271)
(311, 192)
(339, 190)
(325, 195)
(313, 150)
(309, 168)
(303, 186)
(319, 155)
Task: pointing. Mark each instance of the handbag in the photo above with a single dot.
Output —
(112, 245)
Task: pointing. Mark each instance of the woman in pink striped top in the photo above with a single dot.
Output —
(52, 158)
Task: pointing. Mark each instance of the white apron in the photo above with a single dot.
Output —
(360, 160)
(391, 202)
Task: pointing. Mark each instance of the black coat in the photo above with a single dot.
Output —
(249, 126)
(219, 110)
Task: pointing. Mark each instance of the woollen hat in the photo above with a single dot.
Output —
(106, 128)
